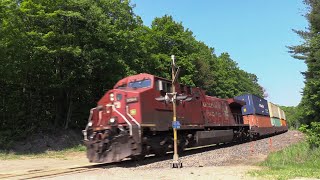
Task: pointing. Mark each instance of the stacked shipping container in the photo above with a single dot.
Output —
(283, 118)
(254, 105)
(274, 114)
(256, 114)
(278, 117)
(263, 117)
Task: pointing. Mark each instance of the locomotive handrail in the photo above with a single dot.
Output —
(134, 120)
(100, 117)
(86, 129)
(128, 122)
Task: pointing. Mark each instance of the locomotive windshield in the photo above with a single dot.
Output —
(140, 84)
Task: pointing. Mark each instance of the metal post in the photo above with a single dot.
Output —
(176, 162)
(270, 144)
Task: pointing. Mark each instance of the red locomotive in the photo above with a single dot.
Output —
(129, 122)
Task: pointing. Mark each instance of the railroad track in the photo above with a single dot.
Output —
(41, 173)
(127, 163)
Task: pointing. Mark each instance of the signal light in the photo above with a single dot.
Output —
(167, 99)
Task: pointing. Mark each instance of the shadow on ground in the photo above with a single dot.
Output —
(42, 142)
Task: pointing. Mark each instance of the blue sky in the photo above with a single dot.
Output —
(254, 32)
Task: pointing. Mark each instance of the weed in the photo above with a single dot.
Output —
(295, 161)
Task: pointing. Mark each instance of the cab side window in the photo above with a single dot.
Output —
(119, 97)
(163, 86)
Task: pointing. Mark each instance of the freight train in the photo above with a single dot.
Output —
(128, 121)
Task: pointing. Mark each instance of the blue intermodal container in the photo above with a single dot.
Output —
(254, 105)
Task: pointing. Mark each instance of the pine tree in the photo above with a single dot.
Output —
(309, 52)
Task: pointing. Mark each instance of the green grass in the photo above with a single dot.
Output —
(48, 154)
(295, 161)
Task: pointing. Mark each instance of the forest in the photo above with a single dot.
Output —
(57, 58)
(308, 110)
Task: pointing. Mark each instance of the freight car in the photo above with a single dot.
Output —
(263, 117)
(129, 122)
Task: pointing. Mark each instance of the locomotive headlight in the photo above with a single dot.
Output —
(112, 120)
(111, 97)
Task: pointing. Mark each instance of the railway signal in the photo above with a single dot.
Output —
(176, 161)
(172, 98)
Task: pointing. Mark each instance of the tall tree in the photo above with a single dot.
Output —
(231, 80)
(220, 76)
(309, 52)
(58, 57)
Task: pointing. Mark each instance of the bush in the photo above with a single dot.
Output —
(313, 134)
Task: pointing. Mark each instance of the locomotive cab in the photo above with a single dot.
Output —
(113, 131)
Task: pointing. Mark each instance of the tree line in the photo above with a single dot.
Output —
(308, 110)
(57, 58)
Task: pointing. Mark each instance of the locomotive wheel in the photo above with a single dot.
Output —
(144, 151)
(181, 148)
(254, 136)
(161, 151)
(139, 157)
(159, 146)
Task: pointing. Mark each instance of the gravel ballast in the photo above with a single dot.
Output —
(230, 154)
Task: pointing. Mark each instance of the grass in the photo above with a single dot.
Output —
(48, 154)
(295, 161)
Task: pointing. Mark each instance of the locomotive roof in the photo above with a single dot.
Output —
(138, 77)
